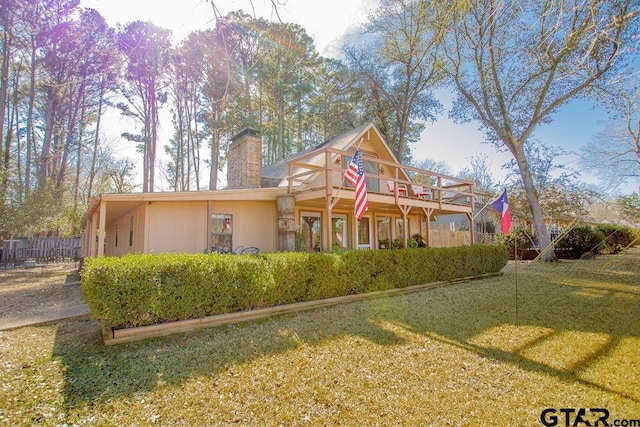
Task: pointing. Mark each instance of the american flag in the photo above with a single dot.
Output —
(354, 175)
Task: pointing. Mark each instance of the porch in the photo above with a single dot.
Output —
(411, 195)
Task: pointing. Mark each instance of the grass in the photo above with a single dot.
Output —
(466, 354)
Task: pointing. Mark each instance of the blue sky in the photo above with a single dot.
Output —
(573, 126)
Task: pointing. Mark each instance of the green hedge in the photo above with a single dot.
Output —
(616, 237)
(582, 240)
(137, 290)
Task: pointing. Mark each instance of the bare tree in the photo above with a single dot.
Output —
(146, 49)
(7, 22)
(614, 153)
(562, 196)
(479, 171)
(515, 63)
(400, 68)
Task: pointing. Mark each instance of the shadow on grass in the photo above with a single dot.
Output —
(94, 372)
(553, 300)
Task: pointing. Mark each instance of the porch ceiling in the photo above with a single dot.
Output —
(378, 202)
(117, 210)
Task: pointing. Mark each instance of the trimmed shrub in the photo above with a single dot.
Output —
(137, 290)
(616, 237)
(519, 241)
(581, 241)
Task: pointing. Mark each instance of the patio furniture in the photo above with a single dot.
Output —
(422, 193)
(240, 250)
(402, 188)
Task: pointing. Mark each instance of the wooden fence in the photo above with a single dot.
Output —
(45, 249)
(446, 238)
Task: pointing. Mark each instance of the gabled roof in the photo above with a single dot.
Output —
(279, 170)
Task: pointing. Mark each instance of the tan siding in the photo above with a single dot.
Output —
(254, 223)
(414, 225)
(122, 224)
(177, 227)
(138, 230)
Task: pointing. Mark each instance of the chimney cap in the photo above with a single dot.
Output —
(246, 131)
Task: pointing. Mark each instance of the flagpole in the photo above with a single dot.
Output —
(515, 256)
(483, 208)
(494, 198)
(343, 178)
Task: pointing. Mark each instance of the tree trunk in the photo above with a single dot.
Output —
(215, 153)
(178, 178)
(544, 239)
(76, 183)
(96, 142)
(30, 134)
(154, 139)
(145, 151)
(4, 86)
(195, 148)
(74, 108)
(45, 153)
(15, 103)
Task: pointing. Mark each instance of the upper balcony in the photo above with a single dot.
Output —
(317, 178)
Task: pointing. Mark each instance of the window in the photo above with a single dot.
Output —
(116, 235)
(222, 232)
(369, 168)
(311, 229)
(372, 168)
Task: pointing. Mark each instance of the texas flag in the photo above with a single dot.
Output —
(501, 204)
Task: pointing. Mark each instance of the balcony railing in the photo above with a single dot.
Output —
(323, 170)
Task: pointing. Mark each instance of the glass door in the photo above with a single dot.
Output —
(340, 235)
(384, 233)
(363, 231)
(399, 236)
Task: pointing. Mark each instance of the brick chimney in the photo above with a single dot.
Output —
(244, 166)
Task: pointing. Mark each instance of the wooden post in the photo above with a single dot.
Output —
(405, 229)
(93, 236)
(328, 232)
(428, 213)
(86, 239)
(102, 227)
(147, 227)
(472, 226)
(208, 225)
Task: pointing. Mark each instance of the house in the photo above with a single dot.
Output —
(301, 202)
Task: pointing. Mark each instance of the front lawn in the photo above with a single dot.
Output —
(473, 353)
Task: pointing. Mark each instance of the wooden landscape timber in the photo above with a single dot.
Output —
(119, 336)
